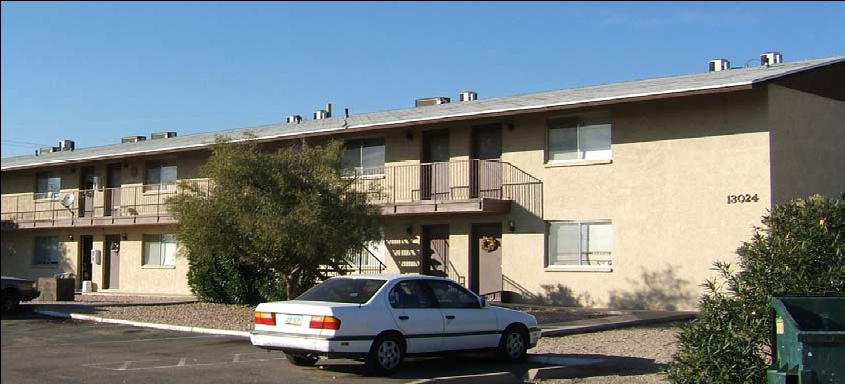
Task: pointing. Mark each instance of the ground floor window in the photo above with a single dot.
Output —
(46, 250)
(160, 249)
(576, 243)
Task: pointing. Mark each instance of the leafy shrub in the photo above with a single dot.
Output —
(798, 251)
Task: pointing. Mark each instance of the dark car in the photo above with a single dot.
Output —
(16, 290)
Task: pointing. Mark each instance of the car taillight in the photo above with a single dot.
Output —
(324, 322)
(266, 318)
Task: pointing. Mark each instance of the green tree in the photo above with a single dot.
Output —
(268, 221)
(798, 251)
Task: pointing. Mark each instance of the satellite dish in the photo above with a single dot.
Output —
(67, 201)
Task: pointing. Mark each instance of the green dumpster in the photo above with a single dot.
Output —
(809, 340)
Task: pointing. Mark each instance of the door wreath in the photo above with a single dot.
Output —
(489, 243)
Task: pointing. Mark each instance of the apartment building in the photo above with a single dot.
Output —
(617, 195)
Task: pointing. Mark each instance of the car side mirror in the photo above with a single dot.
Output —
(482, 301)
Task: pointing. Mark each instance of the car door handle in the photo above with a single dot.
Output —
(404, 317)
(450, 317)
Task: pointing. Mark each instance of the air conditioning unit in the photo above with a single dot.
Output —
(770, 58)
(132, 139)
(44, 150)
(162, 135)
(321, 114)
(66, 145)
(432, 101)
(717, 65)
(468, 96)
(295, 119)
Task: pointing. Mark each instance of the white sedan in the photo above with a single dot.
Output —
(383, 318)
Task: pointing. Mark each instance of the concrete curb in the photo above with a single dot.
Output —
(168, 327)
(487, 378)
(611, 323)
(565, 367)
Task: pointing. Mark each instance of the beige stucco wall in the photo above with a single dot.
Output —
(17, 252)
(674, 164)
(808, 144)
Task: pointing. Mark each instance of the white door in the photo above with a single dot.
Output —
(416, 316)
(467, 325)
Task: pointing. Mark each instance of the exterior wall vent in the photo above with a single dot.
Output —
(468, 96)
(432, 101)
(162, 135)
(295, 119)
(717, 65)
(321, 114)
(66, 145)
(132, 139)
(770, 58)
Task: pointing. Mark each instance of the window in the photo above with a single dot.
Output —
(580, 243)
(342, 290)
(578, 138)
(47, 185)
(364, 157)
(410, 294)
(160, 177)
(451, 295)
(47, 250)
(160, 249)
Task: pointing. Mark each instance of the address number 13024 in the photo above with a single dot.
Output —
(746, 198)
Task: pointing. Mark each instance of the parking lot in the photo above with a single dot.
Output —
(38, 349)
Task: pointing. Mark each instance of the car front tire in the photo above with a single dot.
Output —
(514, 344)
(386, 354)
(11, 300)
(301, 361)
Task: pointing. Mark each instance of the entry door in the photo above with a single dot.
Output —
(86, 244)
(435, 250)
(111, 267)
(434, 171)
(112, 195)
(486, 258)
(485, 169)
(86, 192)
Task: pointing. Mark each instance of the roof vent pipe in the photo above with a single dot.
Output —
(770, 58)
(717, 65)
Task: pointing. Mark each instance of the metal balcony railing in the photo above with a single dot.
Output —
(450, 181)
(100, 206)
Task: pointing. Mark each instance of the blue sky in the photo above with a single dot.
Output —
(94, 72)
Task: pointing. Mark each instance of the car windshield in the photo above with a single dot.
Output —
(343, 291)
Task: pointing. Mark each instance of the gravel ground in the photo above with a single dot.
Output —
(644, 350)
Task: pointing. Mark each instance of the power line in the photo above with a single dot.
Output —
(16, 142)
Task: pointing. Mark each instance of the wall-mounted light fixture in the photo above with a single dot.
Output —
(409, 134)
(125, 164)
(511, 226)
(409, 229)
(510, 125)
(124, 236)
(70, 236)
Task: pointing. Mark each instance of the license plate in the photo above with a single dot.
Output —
(293, 320)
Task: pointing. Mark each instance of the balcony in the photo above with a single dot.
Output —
(140, 204)
(467, 186)
(470, 186)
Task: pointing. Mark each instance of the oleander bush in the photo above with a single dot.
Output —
(799, 250)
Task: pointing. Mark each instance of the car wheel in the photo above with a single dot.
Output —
(301, 361)
(11, 300)
(386, 354)
(514, 344)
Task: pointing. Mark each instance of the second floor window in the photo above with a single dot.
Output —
(364, 157)
(46, 250)
(47, 185)
(578, 138)
(161, 176)
(160, 249)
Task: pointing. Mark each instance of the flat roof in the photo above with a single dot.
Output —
(675, 86)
